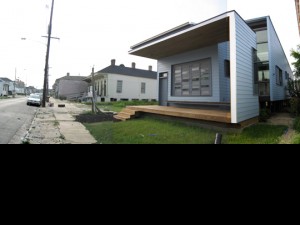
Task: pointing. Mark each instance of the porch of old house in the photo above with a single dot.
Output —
(211, 114)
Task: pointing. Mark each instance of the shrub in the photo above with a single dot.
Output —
(295, 106)
(297, 124)
(62, 98)
(264, 115)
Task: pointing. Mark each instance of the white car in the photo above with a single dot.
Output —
(34, 99)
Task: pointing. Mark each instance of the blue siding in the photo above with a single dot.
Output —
(278, 58)
(247, 103)
(165, 65)
(224, 54)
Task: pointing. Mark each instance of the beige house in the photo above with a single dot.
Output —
(70, 87)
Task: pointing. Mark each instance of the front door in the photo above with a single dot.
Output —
(163, 89)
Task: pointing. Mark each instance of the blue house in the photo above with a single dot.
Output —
(224, 63)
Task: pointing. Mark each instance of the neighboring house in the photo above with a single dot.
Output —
(20, 87)
(70, 87)
(31, 90)
(117, 83)
(6, 86)
(223, 61)
(297, 2)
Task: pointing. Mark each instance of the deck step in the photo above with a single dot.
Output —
(125, 114)
(129, 111)
(120, 118)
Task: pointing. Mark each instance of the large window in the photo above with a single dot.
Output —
(119, 86)
(192, 79)
(261, 69)
(255, 72)
(264, 79)
(262, 45)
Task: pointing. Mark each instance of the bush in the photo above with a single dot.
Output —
(297, 124)
(264, 115)
(295, 106)
(62, 98)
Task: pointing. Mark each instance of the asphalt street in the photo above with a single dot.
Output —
(15, 119)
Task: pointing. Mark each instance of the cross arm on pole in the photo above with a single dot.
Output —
(57, 38)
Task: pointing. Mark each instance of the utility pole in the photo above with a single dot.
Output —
(47, 58)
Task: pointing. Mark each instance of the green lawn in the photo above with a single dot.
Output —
(297, 129)
(297, 139)
(154, 131)
(2, 97)
(257, 134)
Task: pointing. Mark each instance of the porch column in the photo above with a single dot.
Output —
(233, 65)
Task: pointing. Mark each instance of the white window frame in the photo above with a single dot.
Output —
(143, 88)
(119, 86)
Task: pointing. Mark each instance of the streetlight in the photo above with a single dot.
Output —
(35, 41)
(44, 44)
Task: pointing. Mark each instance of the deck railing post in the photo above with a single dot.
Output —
(218, 140)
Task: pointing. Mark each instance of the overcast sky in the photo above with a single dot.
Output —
(92, 32)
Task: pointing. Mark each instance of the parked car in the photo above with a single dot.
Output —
(34, 99)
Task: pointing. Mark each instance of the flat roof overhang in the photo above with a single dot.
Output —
(205, 34)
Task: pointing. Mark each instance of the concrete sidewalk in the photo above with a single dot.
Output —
(55, 125)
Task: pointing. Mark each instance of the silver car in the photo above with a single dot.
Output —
(34, 99)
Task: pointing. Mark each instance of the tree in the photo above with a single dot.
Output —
(294, 84)
(296, 54)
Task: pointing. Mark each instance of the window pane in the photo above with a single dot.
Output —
(264, 89)
(263, 52)
(143, 88)
(264, 73)
(119, 86)
(185, 73)
(262, 36)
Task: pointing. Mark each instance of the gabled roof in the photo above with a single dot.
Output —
(75, 78)
(129, 71)
(5, 79)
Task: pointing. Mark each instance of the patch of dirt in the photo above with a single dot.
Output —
(95, 118)
(288, 137)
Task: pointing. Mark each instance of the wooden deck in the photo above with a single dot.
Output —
(222, 116)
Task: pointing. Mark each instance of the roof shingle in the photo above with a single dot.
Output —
(128, 71)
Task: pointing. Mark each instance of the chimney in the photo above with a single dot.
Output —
(150, 68)
(68, 74)
(133, 65)
(113, 62)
